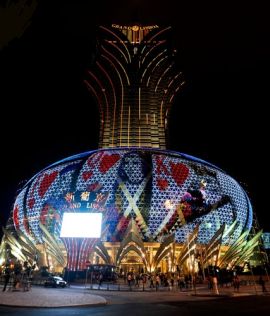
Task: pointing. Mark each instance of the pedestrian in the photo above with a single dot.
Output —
(129, 279)
(137, 278)
(262, 283)
(17, 274)
(157, 282)
(6, 276)
(236, 283)
(210, 282)
(172, 282)
(215, 285)
(100, 279)
(151, 281)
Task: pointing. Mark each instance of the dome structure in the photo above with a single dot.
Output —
(150, 186)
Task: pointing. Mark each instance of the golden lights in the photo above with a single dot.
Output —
(135, 28)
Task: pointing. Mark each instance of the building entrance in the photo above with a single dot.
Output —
(132, 263)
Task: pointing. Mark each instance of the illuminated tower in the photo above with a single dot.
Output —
(134, 82)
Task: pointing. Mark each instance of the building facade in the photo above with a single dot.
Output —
(134, 81)
(153, 201)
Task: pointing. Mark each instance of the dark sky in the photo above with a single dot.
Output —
(223, 49)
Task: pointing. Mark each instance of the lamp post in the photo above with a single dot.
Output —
(86, 275)
(88, 263)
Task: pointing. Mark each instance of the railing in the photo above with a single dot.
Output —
(133, 287)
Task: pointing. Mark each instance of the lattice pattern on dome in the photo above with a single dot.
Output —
(19, 219)
(161, 191)
(49, 186)
(239, 201)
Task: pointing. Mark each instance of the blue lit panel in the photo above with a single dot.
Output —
(266, 240)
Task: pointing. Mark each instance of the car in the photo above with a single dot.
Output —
(55, 281)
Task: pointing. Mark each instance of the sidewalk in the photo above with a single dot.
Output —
(50, 297)
(224, 291)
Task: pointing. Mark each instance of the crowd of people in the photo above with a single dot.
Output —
(155, 280)
(17, 275)
(186, 282)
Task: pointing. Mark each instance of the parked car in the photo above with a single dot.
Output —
(55, 281)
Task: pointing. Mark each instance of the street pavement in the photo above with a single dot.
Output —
(81, 295)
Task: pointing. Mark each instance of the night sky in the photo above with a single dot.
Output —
(223, 50)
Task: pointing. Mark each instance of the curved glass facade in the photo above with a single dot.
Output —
(163, 191)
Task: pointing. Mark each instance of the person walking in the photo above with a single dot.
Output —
(7, 273)
(236, 283)
(262, 283)
(157, 282)
(100, 279)
(215, 285)
(129, 279)
(151, 281)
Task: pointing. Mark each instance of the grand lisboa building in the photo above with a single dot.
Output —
(160, 210)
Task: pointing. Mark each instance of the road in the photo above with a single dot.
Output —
(156, 304)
